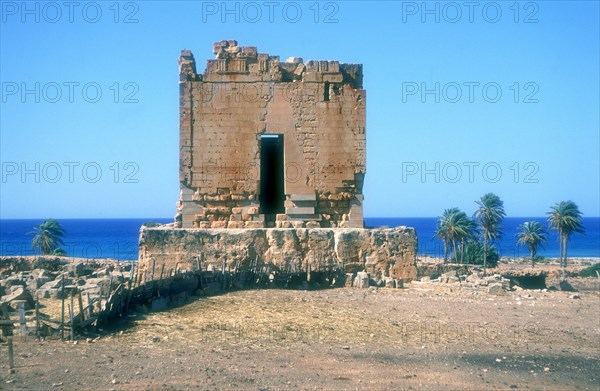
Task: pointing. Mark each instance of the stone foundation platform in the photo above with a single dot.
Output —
(385, 252)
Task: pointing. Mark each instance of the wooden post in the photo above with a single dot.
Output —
(223, 276)
(72, 312)
(109, 287)
(11, 354)
(100, 297)
(72, 319)
(37, 315)
(22, 324)
(200, 275)
(90, 309)
(80, 301)
(62, 315)
(128, 293)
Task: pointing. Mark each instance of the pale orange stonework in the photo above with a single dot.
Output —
(318, 109)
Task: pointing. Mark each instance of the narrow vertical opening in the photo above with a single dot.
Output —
(272, 194)
(326, 92)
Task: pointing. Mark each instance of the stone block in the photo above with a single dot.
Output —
(312, 77)
(254, 224)
(389, 282)
(299, 70)
(300, 211)
(349, 279)
(333, 66)
(249, 51)
(294, 60)
(333, 78)
(495, 288)
(308, 217)
(362, 280)
(20, 293)
(303, 197)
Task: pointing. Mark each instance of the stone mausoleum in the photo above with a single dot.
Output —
(272, 166)
(265, 143)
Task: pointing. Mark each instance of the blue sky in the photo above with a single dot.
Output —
(510, 105)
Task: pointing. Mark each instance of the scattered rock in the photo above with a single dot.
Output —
(20, 293)
(566, 287)
(362, 280)
(495, 288)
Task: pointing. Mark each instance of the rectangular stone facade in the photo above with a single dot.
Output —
(385, 252)
(318, 110)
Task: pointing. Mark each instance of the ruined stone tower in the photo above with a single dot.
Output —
(272, 163)
(265, 143)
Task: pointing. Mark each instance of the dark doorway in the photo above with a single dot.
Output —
(272, 194)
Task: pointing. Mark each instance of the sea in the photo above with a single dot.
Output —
(118, 238)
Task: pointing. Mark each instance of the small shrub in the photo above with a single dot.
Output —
(590, 271)
(473, 254)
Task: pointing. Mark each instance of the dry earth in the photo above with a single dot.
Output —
(425, 337)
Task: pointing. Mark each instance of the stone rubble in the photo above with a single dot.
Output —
(28, 282)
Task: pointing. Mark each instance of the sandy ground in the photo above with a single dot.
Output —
(424, 337)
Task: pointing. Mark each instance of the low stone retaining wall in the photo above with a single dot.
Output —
(388, 252)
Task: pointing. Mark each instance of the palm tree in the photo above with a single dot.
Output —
(467, 233)
(565, 217)
(532, 235)
(48, 237)
(442, 232)
(489, 215)
(458, 228)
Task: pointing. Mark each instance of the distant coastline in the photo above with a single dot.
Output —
(117, 238)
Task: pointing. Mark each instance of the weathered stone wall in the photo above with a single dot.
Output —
(389, 252)
(318, 107)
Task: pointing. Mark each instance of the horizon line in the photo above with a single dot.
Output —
(164, 218)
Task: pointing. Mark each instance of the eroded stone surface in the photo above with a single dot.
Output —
(318, 107)
(389, 252)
